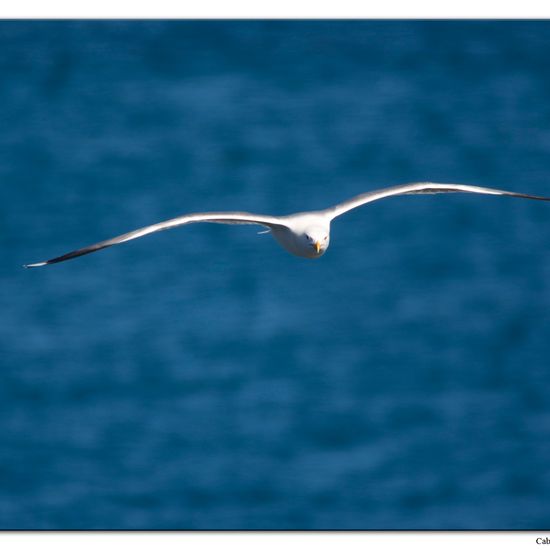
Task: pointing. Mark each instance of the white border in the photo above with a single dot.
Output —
(274, 541)
(246, 9)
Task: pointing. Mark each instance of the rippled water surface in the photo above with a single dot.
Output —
(203, 378)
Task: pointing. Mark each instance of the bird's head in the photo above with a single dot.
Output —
(318, 239)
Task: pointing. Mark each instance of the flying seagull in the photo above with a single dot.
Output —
(305, 234)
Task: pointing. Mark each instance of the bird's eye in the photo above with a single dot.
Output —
(326, 237)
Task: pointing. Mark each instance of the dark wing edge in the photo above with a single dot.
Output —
(234, 218)
(419, 189)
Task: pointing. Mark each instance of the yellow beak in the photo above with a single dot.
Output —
(317, 246)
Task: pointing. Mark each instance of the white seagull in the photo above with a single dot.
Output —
(305, 234)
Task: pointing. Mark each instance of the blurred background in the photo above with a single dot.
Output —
(205, 379)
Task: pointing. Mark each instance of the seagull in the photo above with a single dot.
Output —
(304, 234)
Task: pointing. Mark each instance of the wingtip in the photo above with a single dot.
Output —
(30, 266)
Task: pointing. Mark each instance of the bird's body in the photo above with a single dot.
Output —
(305, 234)
(302, 231)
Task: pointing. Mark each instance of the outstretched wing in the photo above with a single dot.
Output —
(421, 188)
(210, 217)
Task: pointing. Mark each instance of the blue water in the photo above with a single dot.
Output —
(205, 379)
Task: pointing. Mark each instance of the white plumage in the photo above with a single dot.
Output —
(305, 234)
